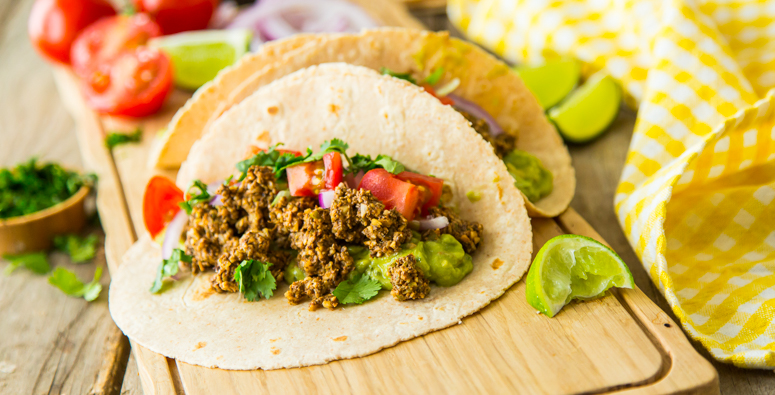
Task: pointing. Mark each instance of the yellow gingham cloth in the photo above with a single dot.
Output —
(697, 194)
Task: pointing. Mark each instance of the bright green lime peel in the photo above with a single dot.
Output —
(552, 81)
(572, 267)
(198, 56)
(589, 110)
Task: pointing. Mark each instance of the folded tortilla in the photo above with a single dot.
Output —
(375, 114)
(484, 80)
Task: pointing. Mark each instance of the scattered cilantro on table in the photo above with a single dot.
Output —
(255, 279)
(169, 267)
(114, 139)
(37, 262)
(69, 283)
(80, 249)
(357, 289)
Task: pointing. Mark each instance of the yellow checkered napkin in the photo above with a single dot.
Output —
(697, 194)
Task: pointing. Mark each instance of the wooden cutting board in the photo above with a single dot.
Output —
(621, 342)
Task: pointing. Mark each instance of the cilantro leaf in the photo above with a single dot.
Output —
(400, 76)
(168, 268)
(333, 145)
(202, 196)
(37, 262)
(117, 138)
(80, 249)
(357, 289)
(389, 164)
(434, 77)
(365, 163)
(255, 279)
(272, 158)
(68, 283)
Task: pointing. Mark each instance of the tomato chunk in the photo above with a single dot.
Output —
(430, 188)
(332, 163)
(305, 179)
(160, 203)
(443, 99)
(392, 192)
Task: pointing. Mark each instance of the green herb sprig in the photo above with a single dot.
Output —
(357, 289)
(69, 283)
(168, 268)
(80, 249)
(255, 279)
(114, 139)
(202, 196)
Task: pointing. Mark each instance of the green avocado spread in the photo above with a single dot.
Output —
(530, 176)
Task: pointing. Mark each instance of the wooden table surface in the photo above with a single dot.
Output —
(54, 344)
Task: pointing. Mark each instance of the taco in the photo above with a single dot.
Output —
(474, 82)
(399, 221)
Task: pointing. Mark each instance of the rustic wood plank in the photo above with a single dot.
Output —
(131, 384)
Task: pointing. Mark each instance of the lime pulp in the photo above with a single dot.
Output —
(552, 81)
(589, 110)
(572, 267)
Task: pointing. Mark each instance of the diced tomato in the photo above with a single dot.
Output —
(443, 99)
(332, 163)
(392, 192)
(306, 179)
(160, 203)
(105, 39)
(430, 188)
(135, 84)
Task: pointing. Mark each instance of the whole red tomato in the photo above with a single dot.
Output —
(175, 16)
(54, 24)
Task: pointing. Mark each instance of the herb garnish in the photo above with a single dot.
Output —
(31, 187)
(37, 262)
(255, 279)
(69, 283)
(80, 249)
(117, 138)
(365, 163)
(357, 289)
(169, 267)
(193, 200)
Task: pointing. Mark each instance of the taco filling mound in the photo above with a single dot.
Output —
(361, 212)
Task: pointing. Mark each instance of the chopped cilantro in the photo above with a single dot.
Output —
(169, 267)
(67, 281)
(31, 187)
(434, 77)
(117, 138)
(357, 289)
(365, 163)
(272, 158)
(80, 249)
(400, 76)
(37, 262)
(193, 200)
(389, 164)
(255, 279)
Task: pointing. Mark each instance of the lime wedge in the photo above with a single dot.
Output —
(588, 111)
(552, 81)
(573, 267)
(198, 56)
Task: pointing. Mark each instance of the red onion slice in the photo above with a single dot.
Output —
(326, 198)
(474, 109)
(224, 14)
(353, 180)
(173, 233)
(433, 223)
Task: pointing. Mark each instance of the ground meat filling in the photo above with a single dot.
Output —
(209, 230)
(357, 216)
(502, 143)
(287, 214)
(256, 245)
(408, 282)
(469, 234)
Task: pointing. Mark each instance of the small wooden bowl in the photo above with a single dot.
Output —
(36, 231)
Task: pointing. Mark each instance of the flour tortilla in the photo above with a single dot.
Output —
(484, 80)
(374, 114)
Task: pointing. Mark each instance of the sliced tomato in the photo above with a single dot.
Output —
(332, 163)
(160, 203)
(105, 39)
(306, 179)
(443, 99)
(392, 192)
(430, 188)
(134, 84)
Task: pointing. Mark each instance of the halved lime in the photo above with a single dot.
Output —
(552, 81)
(198, 56)
(573, 267)
(588, 111)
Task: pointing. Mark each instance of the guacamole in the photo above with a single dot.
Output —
(530, 176)
(442, 261)
(293, 272)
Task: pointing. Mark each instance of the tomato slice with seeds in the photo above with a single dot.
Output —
(160, 203)
(430, 188)
(306, 179)
(392, 192)
(334, 172)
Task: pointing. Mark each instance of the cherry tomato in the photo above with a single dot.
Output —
(107, 38)
(160, 203)
(443, 99)
(177, 16)
(54, 24)
(306, 179)
(332, 164)
(430, 188)
(392, 192)
(134, 84)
